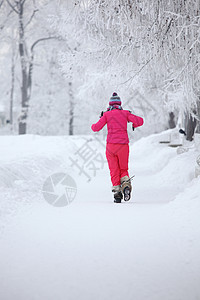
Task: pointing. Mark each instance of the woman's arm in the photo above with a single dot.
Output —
(137, 121)
(100, 124)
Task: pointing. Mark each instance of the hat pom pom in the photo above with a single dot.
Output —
(114, 94)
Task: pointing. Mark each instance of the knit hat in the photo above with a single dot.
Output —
(115, 100)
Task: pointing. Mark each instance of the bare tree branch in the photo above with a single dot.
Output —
(22, 3)
(30, 71)
(168, 27)
(1, 3)
(13, 8)
(31, 18)
(4, 24)
(41, 40)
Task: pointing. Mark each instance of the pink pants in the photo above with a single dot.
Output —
(117, 156)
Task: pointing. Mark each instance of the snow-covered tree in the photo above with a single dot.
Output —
(23, 17)
(159, 38)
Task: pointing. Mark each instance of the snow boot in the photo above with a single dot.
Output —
(118, 197)
(127, 193)
(117, 193)
(126, 187)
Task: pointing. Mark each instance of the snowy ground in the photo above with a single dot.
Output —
(93, 248)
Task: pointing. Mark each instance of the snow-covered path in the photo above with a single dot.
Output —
(94, 249)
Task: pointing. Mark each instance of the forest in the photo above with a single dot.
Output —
(60, 61)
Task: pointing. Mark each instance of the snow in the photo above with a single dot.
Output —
(147, 248)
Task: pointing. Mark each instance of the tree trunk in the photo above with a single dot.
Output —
(198, 116)
(172, 123)
(71, 110)
(24, 101)
(190, 124)
(12, 87)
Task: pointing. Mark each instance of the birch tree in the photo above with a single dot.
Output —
(25, 11)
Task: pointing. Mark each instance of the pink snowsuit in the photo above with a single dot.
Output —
(117, 148)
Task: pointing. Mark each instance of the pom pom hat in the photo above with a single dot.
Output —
(115, 100)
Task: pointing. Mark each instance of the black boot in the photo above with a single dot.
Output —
(118, 197)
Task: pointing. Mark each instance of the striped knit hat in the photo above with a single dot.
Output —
(115, 100)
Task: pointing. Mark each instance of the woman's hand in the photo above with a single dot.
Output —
(101, 115)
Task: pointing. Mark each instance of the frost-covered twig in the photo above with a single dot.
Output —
(132, 77)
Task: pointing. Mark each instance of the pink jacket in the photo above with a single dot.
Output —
(116, 121)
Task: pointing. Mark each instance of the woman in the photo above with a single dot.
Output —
(117, 148)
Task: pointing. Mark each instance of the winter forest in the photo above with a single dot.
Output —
(61, 60)
(92, 207)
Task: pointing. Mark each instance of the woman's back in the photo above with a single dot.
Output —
(116, 121)
(117, 126)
